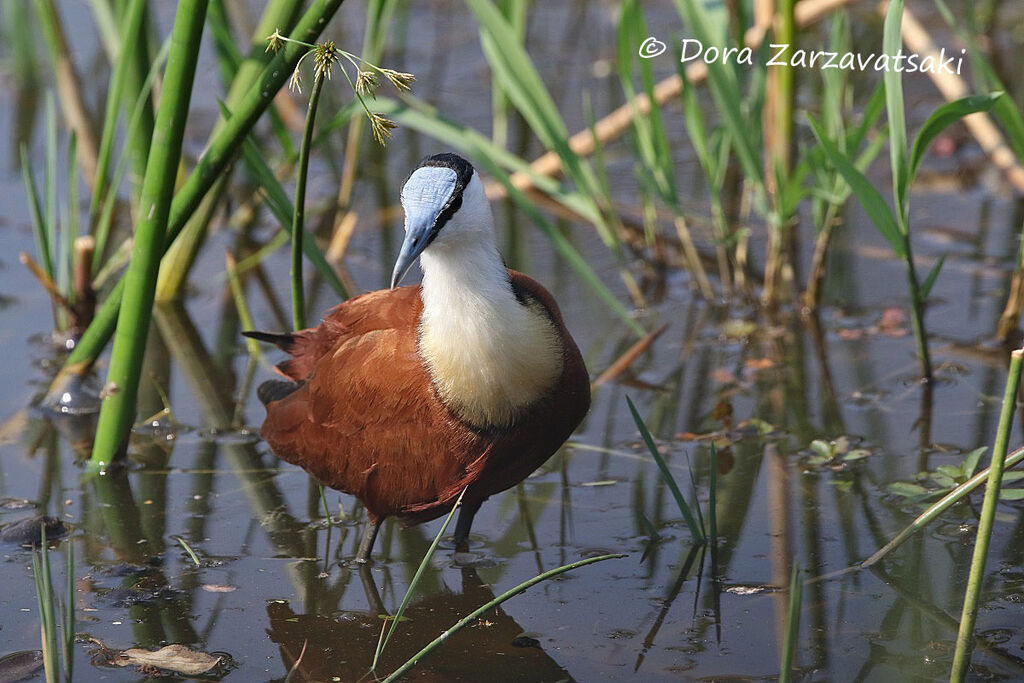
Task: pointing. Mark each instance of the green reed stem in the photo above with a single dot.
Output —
(299, 210)
(188, 550)
(407, 598)
(118, 410)
(475, 614)
(218, 156)
(180, 256)
(39, 228)
(130, 29)
(936, 509)
(69, 613)
(965, 637)
(45, 599)
(796, 592)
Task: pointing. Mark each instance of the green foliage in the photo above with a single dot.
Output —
(696, 530)
(792, 635)
(407, 598)
(56, 625)
(946, 478)
(118, 409)
(512, 67)
(483, 609)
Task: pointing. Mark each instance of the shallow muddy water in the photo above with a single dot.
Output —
(275, 579)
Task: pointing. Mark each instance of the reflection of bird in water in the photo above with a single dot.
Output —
(405, 397)
(343, 647)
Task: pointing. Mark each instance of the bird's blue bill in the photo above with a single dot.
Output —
(424, 197)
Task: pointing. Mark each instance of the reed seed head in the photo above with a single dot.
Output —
(275, 41)
(381, 127)
(400, 79)
(367, 83)
(325, 55)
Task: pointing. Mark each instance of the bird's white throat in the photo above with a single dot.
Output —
(490, 357)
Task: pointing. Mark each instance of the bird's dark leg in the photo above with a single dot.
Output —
(462, 527)
(372, 594)
(366, 544)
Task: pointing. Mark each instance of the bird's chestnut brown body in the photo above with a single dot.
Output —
(367, 419)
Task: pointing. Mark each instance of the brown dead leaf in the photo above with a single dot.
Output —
(723, 376)
(756, 364)
(176, 658)
(723, 412)
(891, 319)
(850, 333)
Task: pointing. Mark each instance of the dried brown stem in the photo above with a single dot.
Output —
(618, 121)
(48, 284)
(81, 278)
(625, 360)
(952, 87)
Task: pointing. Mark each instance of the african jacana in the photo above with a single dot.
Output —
(406, 396)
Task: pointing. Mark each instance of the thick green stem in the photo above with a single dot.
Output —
(180, 257)
(917, 314)
(299, 210)
(118, 410)
(218, 155)
(965, 637)
(131, 27)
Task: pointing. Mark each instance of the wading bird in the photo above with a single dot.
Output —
(406, 396)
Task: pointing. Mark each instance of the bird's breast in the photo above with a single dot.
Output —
(489, 364)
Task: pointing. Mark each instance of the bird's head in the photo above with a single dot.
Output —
(445, 205)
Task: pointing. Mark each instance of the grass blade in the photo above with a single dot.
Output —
(871, 199)
(891, 42)
(281, 206)
(69, 614)
(943, 117)
(407, 598)
(937, 508)
(792, 626)
(45, 599)
(129, 30)
(39, 228)
(929, 281)
(512, 67)
(101, 229)
(684, 508)
(507, 595)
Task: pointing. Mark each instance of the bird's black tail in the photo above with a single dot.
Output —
(275, 390)
(285, 341)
